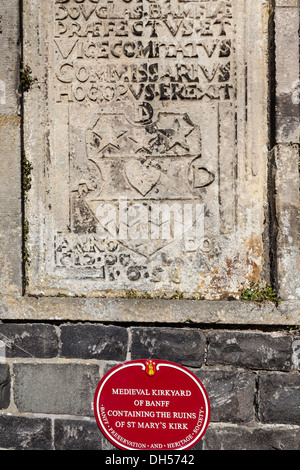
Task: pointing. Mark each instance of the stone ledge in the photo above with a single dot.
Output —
(151, 311)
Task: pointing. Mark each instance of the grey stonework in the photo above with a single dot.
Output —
(279, 398)
(4, 386)
(184, 346)
(166, 127)
(258, 400)
(287, 76)
(29, 340)
(55, 388)
(150, 311)
(226, 437)
(231, 395)
(94, 342)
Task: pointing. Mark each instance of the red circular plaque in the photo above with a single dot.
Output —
(152, 405)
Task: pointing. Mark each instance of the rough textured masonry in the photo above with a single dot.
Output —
(46, 392)
(149, 171)
(147, 134)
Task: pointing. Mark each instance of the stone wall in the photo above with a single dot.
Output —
(51, 371)
(54, 348)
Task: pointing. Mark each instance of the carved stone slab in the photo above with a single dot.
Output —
(148, 138)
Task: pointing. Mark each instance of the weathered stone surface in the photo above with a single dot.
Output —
(4, 386)
(285, 161)
(253, 438)
(20, 433)
(268, 406)
(10, 206)
(94, 342)
(29, 340)
(231, 394)
(287, 214)
(222, 163)
(146, 102)
(250, 350)
(279, 398)
(185, 346)
(77, 435)
(154, 311)
(296, 353)
(55, 388)
(10, 152)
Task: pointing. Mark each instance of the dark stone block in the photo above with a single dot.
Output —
(231, 394)
(77, 435)
(55, 388)
(21, 433)
(183, 346)
(4, 386)
(296, 353)
(254, 438)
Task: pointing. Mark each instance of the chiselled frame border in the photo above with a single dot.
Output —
(16, 305)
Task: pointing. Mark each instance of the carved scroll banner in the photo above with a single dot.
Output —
(147, 133)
